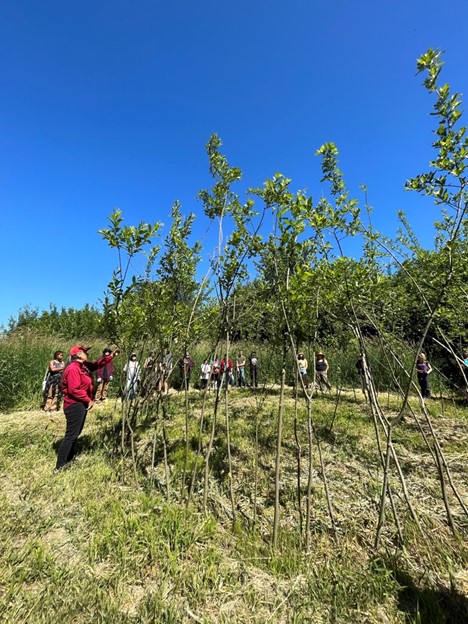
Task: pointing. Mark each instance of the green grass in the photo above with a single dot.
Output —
(89, 545)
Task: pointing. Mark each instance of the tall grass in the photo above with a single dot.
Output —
(24, 356)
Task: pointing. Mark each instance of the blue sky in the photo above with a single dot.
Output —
(109, 104)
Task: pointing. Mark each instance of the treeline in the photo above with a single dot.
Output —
(391, 304)
(68, 323)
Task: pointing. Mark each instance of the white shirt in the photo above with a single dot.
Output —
(205, 371)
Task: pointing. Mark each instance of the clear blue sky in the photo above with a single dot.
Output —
(109, 104)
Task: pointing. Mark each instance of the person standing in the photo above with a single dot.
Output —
(227, 376)
(253, 369)
(77, 388)
(302, 365)
(205, 374)
(423, 370)
(150, 368)
(164, 371)
(361, 365)
(321, 372)
(133, 370)
(104, 375)
(241, 370)
(53, 387)
(185, 367)
(215, 370)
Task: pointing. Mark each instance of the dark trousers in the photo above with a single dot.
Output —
(253, 377)
(76, 416)
(186, 380)
(423, 380)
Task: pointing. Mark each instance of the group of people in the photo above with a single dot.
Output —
(423, 370)
(321, 371)
(73, 381)
(225, 372)
(52, 391)
(214, 373)
(220, 372)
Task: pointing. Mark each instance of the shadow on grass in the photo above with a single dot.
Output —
(430, 606)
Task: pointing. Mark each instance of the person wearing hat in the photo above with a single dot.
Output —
(77, 388)
(104, 375)
(321, 372)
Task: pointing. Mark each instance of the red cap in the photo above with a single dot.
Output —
(74, 350)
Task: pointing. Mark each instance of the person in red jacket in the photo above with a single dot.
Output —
(104, 376)
(77, 388)
(227, 375)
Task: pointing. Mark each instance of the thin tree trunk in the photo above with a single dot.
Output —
(155, 437)
(228, 432)
(199, 447)
(167, 471)
(209, 451)
(384, 490)
(310, 474)
(298, 456)
(186, 432)
(278, 455)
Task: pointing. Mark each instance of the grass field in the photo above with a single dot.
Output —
(90, 545)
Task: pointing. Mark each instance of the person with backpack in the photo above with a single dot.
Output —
(52, 390)
(215, 370)
(185, 368)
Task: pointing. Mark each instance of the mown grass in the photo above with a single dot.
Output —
(88, 545)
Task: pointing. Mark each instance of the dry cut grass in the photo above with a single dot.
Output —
(89, 545)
